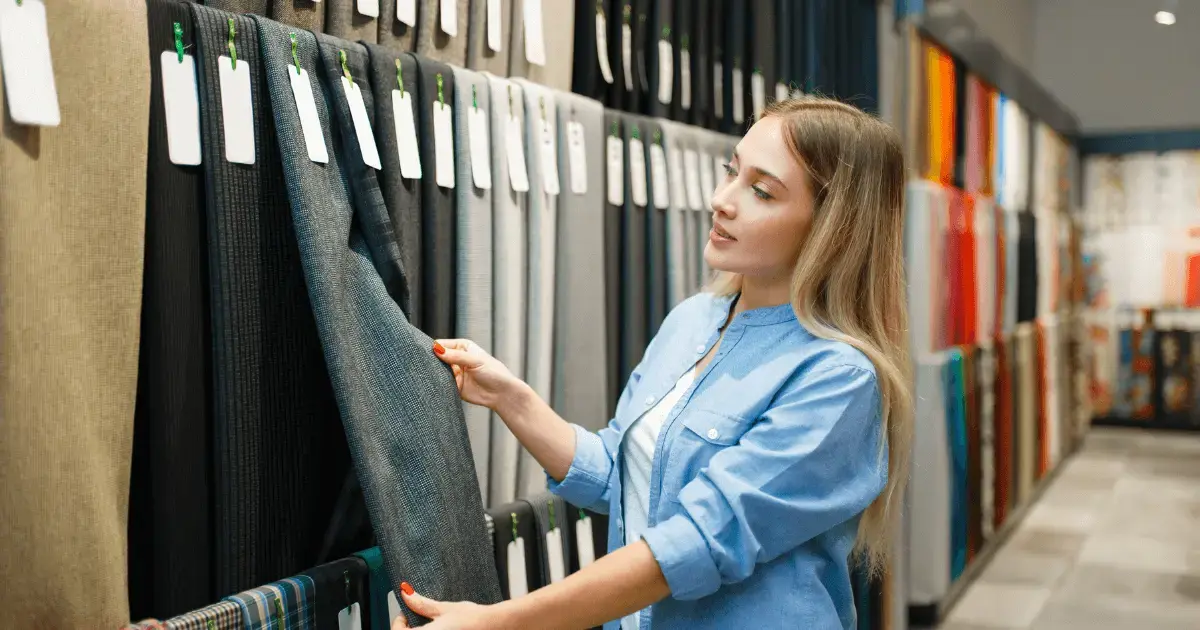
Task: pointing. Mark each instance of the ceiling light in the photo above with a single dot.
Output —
(1166, 18)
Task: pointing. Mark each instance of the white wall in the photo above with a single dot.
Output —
(1008, 23)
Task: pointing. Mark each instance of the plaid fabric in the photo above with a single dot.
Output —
(225, 615)
(148, 624)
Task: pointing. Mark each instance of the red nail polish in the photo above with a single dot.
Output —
(408, 589)
(438, 349)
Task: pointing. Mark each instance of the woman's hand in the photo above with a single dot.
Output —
(449, 615)
(482, 379)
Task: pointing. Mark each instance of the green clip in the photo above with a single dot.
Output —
(758, 70)
(542, 105)
(178, 41)
(666, 32)
(441, 95)
(550, 503)
(295, 57)
(400, 77)
(657, 137)
(279, 612)
(514, 521)
(582, 514)
(637, 135)
(627, 13)
(231, 46)
(20, 2)
(683, 42)
(511, 113)
(346, 579)
(211, 626)
(474, 98)
(345, 68)
(616, 129)
(600, 8)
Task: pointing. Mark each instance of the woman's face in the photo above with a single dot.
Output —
(762, 209)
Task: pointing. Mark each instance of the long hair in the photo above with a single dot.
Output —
(848, 284)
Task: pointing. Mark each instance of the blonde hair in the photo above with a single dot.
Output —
(848, 284)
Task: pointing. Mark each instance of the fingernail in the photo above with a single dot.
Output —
(405, 586)
(438, 349)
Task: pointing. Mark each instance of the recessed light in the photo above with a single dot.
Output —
(1166, 18)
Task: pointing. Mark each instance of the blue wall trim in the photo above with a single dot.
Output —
(905, 8)
(1139, 141)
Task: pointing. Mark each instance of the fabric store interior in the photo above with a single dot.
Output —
(230, 231)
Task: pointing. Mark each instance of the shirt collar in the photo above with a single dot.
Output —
(760, 316)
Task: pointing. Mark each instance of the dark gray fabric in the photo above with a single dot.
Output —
(702, 61)
(737, 55)
(517, 517)
(644, 45)
(399, 404)
(676, 218)
(279, 457)
(633, 284)
(551, 513)
(718, 64)
(433, 42)
(258, 7)
(479, 56)
(787, 36)
(401, 196)
(656, 238)
(558, 35)
(660, 29)
(613, 128)
(683, 32)
(343, 20)
(304, 14)
(438, 218)
(763, 47)
(586, 77)
(623, 96)
(394, 34)
(580, 390)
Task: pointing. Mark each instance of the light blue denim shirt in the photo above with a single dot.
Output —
(760, 473)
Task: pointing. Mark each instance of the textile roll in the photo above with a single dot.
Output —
(678, 217)
(401, 195)
(719, 63)
(171, 420)
(480, 56)
(392, 33)
(473, 284)
(399, 405)
(956, 431)
(279, 457)
(304, 14)
(929, 513)
(71, 261)
(438, 213)
(661, 68)
(343, 20)
(633, 284)
(580, 392)
(656, 234)
(614, 132)
(558, 36)
(508, 277)
(433, 42)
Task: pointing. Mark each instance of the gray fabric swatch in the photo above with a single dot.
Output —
(343, 20)
(393, 33)
(613, 128)
(558, 32)
(304, 14)
(479, 56)
(258, 7)
(433, 42)
(437, 204)
(676, 217)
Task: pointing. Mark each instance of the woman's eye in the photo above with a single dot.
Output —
(761, 194)
(729, 170)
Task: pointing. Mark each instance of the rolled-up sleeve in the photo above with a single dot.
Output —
(812, 461)
(587, 482)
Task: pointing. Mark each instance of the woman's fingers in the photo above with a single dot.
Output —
(399, 623)
(418, 604)
(457, 354)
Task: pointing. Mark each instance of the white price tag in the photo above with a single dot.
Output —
(535, 37)
(627, 55)
(678, 190)
(708, 179)
(237, 111)
(406, 135)
(554, 553)
(583, 542)
(577, 156)
(758, 93)
(719, 89)
(514, 148)
(685, 79)
(739, 96)
(692, 175)
(493, 26)
(310, 122)
(443, 144)
(362, 124)
(449, 17)
(31, 95)
(602, 47)
(181, 104)
(481, 150)
(406, 12)
(549, 160)
(518, 582)
(781, 92)
(637, 172)
(369, 7)
(666, 64)
(660, 182)
(350, 618)
(394, 609)
(616, 171)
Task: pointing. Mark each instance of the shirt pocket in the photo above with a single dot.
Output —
(705, 433)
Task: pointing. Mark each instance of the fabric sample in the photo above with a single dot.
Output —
(587, 78)
(395, 35)
(550, 513)
(558, 35)
(644, 45)
(338, 585)
(929, 531)
(678, 217)
(516, 520)
(399, 405)
(171, 419)
(343, 20)
(433, 42)
(1026, 426)
(764, 48)
(438, 218)
(480, 56)
(682, 23)
(380, 587)
(579, 390)
(620, 28)
(956, 432)
(633, 283)
(225, 615)
(473, 284)
(614, 132)
(656, 236)
(702, 60)
(660, 68)
(258, 7)
(304, 14)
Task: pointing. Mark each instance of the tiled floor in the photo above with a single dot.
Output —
(1114, 544)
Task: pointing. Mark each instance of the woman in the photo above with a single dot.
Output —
(760, 448)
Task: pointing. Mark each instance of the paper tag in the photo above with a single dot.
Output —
(758, 93)
(637, 171)
(406, 12)
(583, 541)
(362, 124)
(577, 156)
(181, 103)
(627, 55)
(797, 93)
(237, 111)
(518, 583)
(369, 7)
(514, 147)
(739, 96)
(707, 183)
(602, 47)
(406, 135)
(535, 38)
(554, 553)
(616, 171)
(685, 79)
(719, 89)
(481, 150)
(549, 158)
(394, 609)
(781, 92)
(660, 183)
(678, 189)
(350, 618)
(310, 121)
(493, 26)
(692, 174)
(665, 70)
(449, 17)
(443, 144)
(32, 98)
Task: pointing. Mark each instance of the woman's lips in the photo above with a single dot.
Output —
(718, 235)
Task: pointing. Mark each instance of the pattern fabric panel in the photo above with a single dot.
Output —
(438, 218)
(400, 407)
(303, 14)
(343, 20)
(171, 419)
(473, 284)
(258, 7)
(579, 390)
(393, 34)
(558, 36)
(224, 615)
(480, 56)
(338, 585)
(433, 42)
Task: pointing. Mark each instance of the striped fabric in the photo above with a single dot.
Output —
(225, 615)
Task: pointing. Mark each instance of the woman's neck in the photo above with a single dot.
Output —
(760, 293)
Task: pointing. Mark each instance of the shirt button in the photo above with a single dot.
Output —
(713, 434)
(700, 349)
(649, 400)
